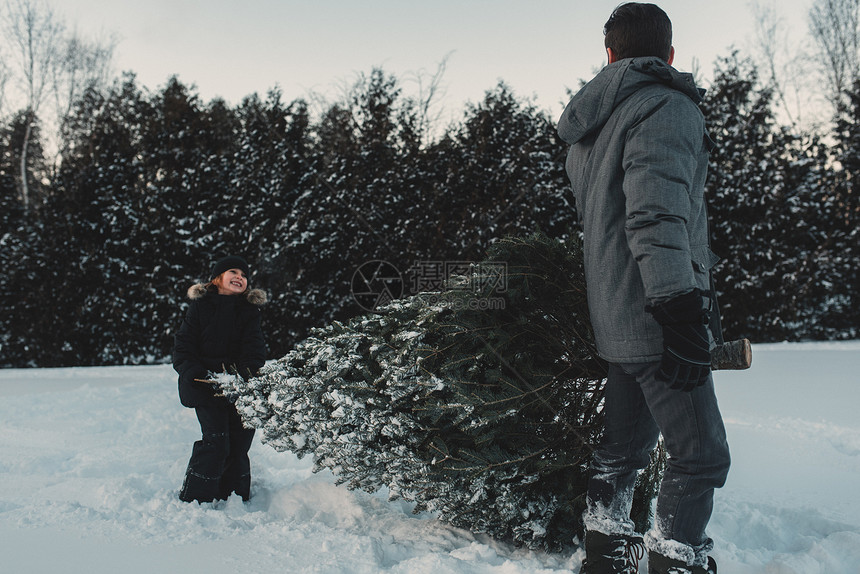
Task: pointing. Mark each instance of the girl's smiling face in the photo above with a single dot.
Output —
(231, 282)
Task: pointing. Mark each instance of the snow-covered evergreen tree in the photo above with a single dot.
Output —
(270, 170)
(102, 239)
(26, 323)
(17, 253)
(359, 198)
(500, 172)
(481, 403)
(842, 206)
(766, 191)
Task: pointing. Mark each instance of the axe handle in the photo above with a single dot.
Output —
(732, 355)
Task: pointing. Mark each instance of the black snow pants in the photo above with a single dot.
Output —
(219, 464)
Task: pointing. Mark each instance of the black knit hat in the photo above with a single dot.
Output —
(230, 262)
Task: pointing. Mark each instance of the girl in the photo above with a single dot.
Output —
(220, 333)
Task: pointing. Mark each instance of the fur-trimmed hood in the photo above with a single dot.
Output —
(254, 296)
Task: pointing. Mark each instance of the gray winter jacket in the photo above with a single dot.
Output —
(637, 166)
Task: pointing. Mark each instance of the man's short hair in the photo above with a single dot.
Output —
(635, 29)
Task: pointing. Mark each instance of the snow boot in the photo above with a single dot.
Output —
(199, 488)
(659, 564)
(612, 554)
(241, 485)
(236, 476)
(203, 475)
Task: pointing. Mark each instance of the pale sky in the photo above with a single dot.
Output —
(232, 48)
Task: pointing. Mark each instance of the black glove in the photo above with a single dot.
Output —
(686, 361)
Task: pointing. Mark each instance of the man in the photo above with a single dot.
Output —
(637, 166)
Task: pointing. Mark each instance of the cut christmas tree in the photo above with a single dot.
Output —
(481, 403)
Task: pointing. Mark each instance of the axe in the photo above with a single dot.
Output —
(726, 355)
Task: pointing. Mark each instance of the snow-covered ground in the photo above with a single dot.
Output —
(91, 460)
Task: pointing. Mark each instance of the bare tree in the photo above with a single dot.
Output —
(430, 92)
(46, 61)
(4, 77)
(835, 28)
(786, 67)
(35, 36)
(83, 64)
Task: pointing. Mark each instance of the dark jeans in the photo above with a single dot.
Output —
(638, 409)
(219, 464)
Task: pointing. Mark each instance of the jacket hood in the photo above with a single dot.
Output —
(592, 106)
(254, 296)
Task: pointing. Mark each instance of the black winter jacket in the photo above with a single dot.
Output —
(220, 333)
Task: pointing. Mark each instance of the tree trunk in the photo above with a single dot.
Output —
(25, 189)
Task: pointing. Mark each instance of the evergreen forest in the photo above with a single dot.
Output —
(102, 234)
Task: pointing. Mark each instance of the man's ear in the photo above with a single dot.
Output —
(613, 57)
(671, 55)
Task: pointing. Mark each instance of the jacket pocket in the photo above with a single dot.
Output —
(703, 260)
